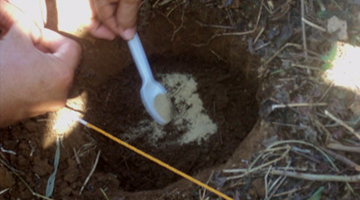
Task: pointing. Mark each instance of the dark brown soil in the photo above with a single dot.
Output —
(228, 98)
(226, 84)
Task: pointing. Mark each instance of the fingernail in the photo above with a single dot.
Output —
(128, 33)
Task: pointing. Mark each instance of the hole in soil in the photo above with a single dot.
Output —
(217, 110)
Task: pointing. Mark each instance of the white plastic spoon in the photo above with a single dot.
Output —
(151, 92)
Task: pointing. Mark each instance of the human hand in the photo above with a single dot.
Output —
(36, 69)
(119, 16)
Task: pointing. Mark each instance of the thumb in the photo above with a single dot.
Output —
(62, 48)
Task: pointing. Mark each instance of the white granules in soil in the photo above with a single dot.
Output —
(189, 116)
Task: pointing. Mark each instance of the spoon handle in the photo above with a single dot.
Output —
(141, 62)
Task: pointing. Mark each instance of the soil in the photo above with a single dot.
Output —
(227, 87)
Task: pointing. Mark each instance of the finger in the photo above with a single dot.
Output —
(100, 31)
(65, 49)
(106, 13)
(126, 14)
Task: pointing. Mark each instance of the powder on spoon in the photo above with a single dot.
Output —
(164, 107)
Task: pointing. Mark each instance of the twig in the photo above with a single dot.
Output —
(339, 121)
(317, 177)
(214, 25)
(7, 151)
(273, 107)
(276, 186)
(169, 13)
(343, 159)
(217, 56)
(327, 132)
(310, 176)
(266, 183)
(77, 159)
(281, 49)
(307, 144)
(103, 192)
(182, 21)
(91, 172)
(313, 25)
(340, 147)
(4, 190)
(252, 170)
(289, 192)
(258, 35)
(305, 67)
(303, 28)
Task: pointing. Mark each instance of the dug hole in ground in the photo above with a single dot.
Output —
(212, 89)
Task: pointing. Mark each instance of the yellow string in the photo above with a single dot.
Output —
(159, 162)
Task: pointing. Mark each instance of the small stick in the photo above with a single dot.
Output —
(317, 177)
(4, 190)
(276, 186)
(182, 22)
(340, 147)
(252, 170)
(169, 13)
(305, 67)
(103, 192)
(307, 144)
(214, 25)
(343, 159)
(303, 28)
(313, 25)
(258, 35)
(77, 159)
(91, 172)
(266, 183)
(310, 176)
(281, 49)
(273, 107)
(327, 113)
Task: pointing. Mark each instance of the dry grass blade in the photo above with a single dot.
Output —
(273, 107)
(343, 159)
(91, 172)
(317, 177)
(303, 29)
(341, 147)
(342, 123)
(4, 190)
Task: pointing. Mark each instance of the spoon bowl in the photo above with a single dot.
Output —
(150, 90)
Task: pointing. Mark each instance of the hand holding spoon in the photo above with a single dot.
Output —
(153, 94)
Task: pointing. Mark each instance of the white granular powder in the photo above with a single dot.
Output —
(189, 116)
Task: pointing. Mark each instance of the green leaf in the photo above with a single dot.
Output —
(329, 57)
(317, 194)
(51, 181)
